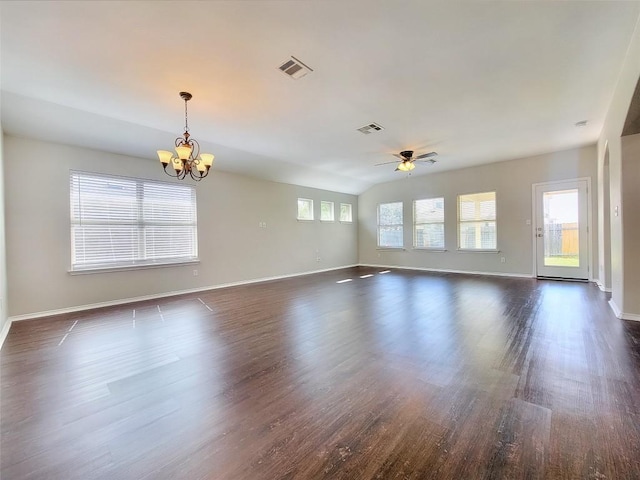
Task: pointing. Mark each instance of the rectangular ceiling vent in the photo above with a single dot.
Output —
(294, 68)
(370, 128)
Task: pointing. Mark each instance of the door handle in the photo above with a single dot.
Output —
(539, 235)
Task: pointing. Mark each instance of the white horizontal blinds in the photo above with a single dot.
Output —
(428, 229)
(169, 221)
(345, 212)
(390, 225)
(117, 221)
(477, 221)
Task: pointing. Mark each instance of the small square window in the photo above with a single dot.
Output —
(346, 213)
(326, 211)
(305, 209)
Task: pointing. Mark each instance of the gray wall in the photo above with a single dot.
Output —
(631, 222)
(3, 262)
(623, 286)
(512, 181)
(232, 246)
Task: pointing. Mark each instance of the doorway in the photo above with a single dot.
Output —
(561, 212)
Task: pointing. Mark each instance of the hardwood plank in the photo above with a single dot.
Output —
(403, 375)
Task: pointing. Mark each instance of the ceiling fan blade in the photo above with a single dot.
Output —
(398, 156)
(426, 155)
(430, 160)
(385, 163)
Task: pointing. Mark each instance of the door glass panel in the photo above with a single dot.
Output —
(561, 244)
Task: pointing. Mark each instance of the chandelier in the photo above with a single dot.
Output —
(189, 160)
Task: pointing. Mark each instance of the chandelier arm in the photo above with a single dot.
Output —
(165, 171)
(189, 165)
(195, 148)
(179, 175)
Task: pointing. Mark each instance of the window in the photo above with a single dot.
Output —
(121, 222)
(477, 221)
(346, 214)
(390, 225)
(326, 211)
(428, 223)
(305, 209)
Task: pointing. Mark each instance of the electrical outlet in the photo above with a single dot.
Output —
(503, 260)
(195, 273)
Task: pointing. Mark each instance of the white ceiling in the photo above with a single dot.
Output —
(475, 81)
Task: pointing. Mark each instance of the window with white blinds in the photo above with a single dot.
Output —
(390, 225)
(477, 221)
(428, 223)
(123, 222)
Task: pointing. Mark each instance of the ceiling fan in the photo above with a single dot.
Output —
(407, 160)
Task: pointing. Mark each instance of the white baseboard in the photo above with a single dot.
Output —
(112, 303)
(5, 332)
(616, 311)
(602, 287)
(442, 270)
(623, 315)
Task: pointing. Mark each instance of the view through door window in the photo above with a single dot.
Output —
(561, 243)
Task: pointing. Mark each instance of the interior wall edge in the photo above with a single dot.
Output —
(4, 332)
(616, 310)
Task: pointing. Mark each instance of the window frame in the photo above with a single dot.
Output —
(416, 224)
(396, 225)
(476, 220)
(350, 212)
(333, 211)
(140, 225)
(300, 219)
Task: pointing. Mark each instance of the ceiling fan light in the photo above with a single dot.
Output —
(402, 166)
(410, 166)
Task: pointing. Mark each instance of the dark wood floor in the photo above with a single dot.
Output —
(395, 376)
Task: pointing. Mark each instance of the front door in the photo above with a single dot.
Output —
(561, 230)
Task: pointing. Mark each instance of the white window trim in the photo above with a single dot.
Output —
(350, 212)
(138, 263)
(86, 271)
(415, 224)
(495, 220)
(333, 212)
(312, 219)
(389, 247)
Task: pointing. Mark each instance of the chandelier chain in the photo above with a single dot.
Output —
(186, 120)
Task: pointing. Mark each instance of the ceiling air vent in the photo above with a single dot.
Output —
(294, 68)
(370, 128)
